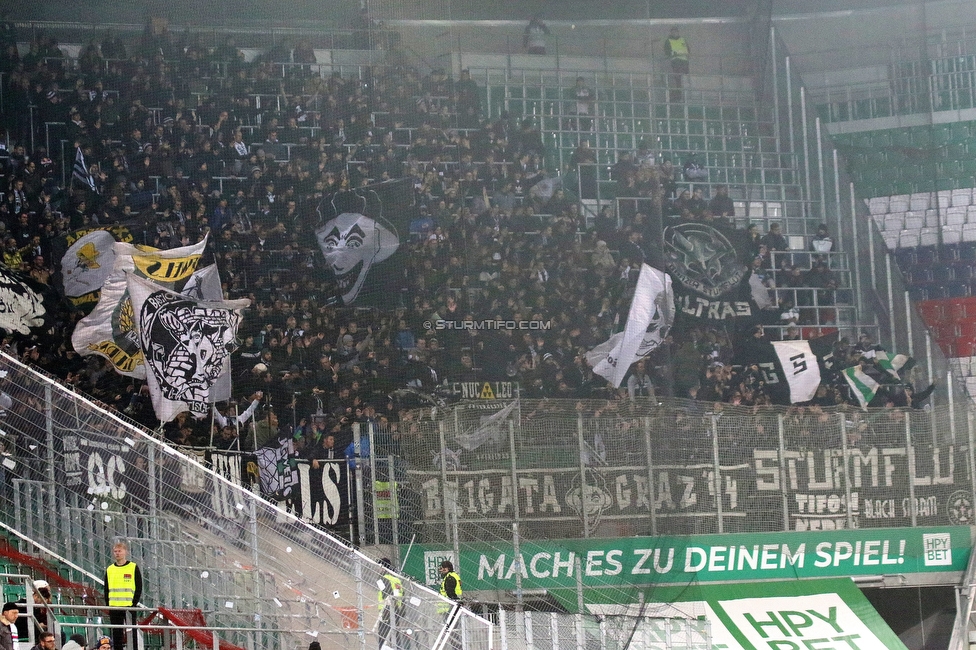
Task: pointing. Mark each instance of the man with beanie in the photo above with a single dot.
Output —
(123, 588)
(8, 627)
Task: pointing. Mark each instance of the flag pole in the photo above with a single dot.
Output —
(212, 408)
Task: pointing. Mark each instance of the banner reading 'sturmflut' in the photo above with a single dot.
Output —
(362, 233)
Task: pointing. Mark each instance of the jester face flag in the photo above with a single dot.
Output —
(361, 231)
(186, 346)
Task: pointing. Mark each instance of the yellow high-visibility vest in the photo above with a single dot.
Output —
(121, 584)
(679, 48)
(442, 607)
(396, 584)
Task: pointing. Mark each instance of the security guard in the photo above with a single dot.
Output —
(677, 51)
(391, 607)
(123, 588)
(450, 584)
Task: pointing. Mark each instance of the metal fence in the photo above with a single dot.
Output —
(75, 479)
(526, 630)
(569, 469)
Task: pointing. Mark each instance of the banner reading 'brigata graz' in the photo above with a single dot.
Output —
(795, 489)
(616, 564)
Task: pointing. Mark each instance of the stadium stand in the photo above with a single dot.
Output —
(511, 208)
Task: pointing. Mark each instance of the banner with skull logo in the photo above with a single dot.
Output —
(186, 345)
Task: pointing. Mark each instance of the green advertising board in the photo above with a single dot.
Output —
(619, 565)
(826, 614)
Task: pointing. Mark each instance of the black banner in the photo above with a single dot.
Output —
(362, 234)
(805, 486)
(325, 492)
(710, 280)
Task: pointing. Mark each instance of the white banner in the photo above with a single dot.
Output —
(109, 330)
(800, 367)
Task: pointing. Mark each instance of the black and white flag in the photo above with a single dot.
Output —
(22, 303)
(800, 369)
(278, 469)
(186, 346)
(81, 173)
(360, 234)
(648, 321)
(109, 330)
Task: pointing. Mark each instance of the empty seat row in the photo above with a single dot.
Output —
(937, 291)
(951, 234)
(911, 220)
(920, 201)
(942, 273)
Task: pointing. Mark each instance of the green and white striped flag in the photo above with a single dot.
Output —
(863, 385)
(895, 364)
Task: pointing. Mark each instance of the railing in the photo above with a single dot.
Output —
(78, 479)
(670, 468)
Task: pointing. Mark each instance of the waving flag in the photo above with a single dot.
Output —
(81, 172)
(799, 367)
(650, 317)
(86, 259)
(360, 236)
(109, 331)
(186, 347)
(863, 385)
(22, 303)
(277, 469)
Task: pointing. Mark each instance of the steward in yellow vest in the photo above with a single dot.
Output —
(450, 585)
(123, 588)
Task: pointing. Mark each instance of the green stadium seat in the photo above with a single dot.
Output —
(861, 140)
(881, 140)
(902, 138)
(941, 134)
(730, 114)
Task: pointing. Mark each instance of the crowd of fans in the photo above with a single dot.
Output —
(168, 129)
